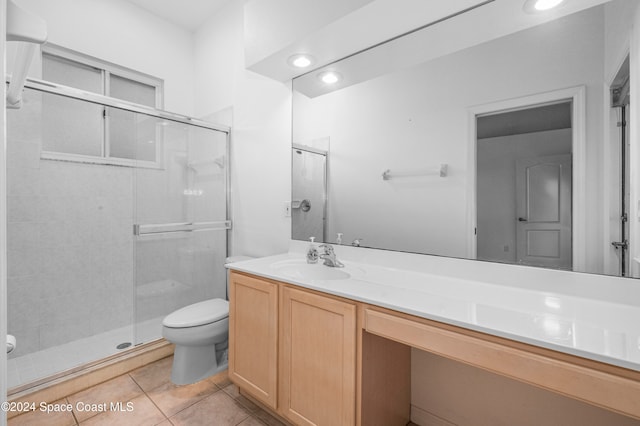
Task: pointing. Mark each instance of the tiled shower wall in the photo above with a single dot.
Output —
(70, 247)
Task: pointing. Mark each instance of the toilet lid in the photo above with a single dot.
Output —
(200, 313)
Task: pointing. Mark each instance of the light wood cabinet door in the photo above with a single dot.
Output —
(253, 337)
(318, 359)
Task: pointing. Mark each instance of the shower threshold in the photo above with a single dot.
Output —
(39, 365)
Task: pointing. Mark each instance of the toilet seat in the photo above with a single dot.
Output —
(200, 313)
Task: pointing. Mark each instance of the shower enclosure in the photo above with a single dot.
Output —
(309, 193)
(117, 215)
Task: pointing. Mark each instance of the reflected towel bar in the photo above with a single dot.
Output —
(440, 170)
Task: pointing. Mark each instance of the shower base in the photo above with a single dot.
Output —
(47, 362)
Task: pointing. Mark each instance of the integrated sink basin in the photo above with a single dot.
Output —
(300, 269)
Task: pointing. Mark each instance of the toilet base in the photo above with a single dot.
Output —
(194, 363)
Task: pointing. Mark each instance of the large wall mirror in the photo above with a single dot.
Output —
(494, 134)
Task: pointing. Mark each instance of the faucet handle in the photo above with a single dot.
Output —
(357, 242)
(328, 249)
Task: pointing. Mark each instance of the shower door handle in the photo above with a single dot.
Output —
(165, 228)
(304, 205)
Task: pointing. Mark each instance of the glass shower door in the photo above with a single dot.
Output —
(82, 175)
(180, 217)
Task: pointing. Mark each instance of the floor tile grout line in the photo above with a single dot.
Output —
(151, 399)
(100, 413)
(185, 408)
(73, 412)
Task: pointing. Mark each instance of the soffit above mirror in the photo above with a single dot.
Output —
(330, 30)
(275, 30)
(434, 41)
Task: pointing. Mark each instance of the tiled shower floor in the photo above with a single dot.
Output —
(37, 365)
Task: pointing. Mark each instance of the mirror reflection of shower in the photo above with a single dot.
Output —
(309, 191)
(617, 259)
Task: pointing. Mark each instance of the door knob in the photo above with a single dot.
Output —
(522, 219)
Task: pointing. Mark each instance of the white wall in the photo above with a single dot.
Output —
(260, 139)
(496, 186)
(418, 118)
(124, 34)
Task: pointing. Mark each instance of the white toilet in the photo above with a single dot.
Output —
(200, 332)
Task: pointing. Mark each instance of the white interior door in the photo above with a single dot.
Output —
(543, 225)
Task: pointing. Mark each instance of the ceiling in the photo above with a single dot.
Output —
(188, 14)
(539, 119)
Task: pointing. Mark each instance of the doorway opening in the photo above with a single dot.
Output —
(524, 172)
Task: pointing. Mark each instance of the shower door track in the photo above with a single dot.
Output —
(70, 92)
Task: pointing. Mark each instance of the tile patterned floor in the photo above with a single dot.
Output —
(153, 400)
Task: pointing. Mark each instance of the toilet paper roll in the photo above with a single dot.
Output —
(11, 343)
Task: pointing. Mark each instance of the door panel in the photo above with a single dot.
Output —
(543, 225)
(253, 336)
(543, 192)
(543, 243)
(318, 359)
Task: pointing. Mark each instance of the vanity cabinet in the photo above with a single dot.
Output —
(293, 350)
(318, 359)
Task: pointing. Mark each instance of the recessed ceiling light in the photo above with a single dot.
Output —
(300, 60)
(537, 6)
(330, 77)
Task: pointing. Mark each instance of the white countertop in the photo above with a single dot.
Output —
(591, 316)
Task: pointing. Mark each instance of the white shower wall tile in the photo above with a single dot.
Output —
(12, 373)
(54, 180)
(23, 154)
(23, 262)
(22, 314)
(29, 181)
(59, 234)
(53, 208)
(22, 208)
(23, 235)
(63, 331)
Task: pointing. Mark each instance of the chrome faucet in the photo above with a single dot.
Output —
(329, 257)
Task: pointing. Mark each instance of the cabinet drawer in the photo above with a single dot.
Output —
(610, 391)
